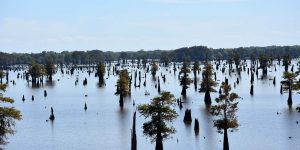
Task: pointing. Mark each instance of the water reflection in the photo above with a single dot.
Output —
(105, 125)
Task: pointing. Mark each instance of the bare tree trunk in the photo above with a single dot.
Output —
(225, 142)
(290, 101)
(183, 92)
(133, 135)
(207, 98)
(159, 143)
(121, 99)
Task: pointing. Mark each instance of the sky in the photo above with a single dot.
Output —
(132, 25)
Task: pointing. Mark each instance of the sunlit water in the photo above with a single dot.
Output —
(106, 126)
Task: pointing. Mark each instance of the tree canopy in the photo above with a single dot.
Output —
(160, 113)
(194, 53)
(8, 115)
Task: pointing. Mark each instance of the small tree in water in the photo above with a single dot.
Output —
(50, 68)
(101, 72)
(36, 71)
(264, 62)
(185, 80)
(226, 111)
(154, 68)
(286, 61)
(208, 83)
(123, 86)
(289, 84)
(8, 115)
(161, 113)
(196, 68)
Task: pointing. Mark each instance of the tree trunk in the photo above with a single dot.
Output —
(159, 143)
(225, 142)
(121, 100)
(251, 90)
(290, 101)
(265, 71)
(207, 98)
(183, 92)
(133, 136)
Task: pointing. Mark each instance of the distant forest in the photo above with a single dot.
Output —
(195, 53)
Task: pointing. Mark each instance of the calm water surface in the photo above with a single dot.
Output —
(106, 126)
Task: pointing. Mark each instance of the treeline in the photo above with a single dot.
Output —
(194, 53)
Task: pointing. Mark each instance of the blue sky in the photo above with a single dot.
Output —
(131, 25)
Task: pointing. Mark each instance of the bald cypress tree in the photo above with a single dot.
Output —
(185, 81)
(50, 68)
(208, 83)
(154, 68)
(100, 72)
(225, 110)
(123, 86)
(8, 116)
(160, 113)
(289, 84)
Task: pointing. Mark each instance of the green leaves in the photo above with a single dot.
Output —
(290, 81)
(101, 72)
(154, 68)
(185, 70)
(37, 70)
(8, 115)
(160, 113)
(6, 100)
(225, 109)
(207, 81)
(3, 87)
(123, 83)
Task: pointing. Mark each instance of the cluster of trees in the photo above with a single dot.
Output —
(194, 53)
(37, 71)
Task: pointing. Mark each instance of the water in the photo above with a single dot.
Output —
(107, 126)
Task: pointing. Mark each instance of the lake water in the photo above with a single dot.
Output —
(106, 126)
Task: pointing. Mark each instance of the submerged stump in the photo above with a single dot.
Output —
(187, 116)
(196, 127)
(52, 117)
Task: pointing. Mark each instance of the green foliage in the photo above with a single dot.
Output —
(154, 68)
(123, 83)
(50, 68)
(194, 53)
(264, 61)
(184, 79)
(8, 115)
(160, 113)
(208, 82)
(225, 109)
(290, 81)
(36, 70)
(101, 71)
(196, 67)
